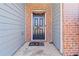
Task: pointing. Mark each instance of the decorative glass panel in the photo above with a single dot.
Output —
(41, 21)
(36, 21)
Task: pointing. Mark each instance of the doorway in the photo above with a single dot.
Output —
(38, 26)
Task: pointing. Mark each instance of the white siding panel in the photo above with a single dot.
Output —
(12, 20)
(56, 25)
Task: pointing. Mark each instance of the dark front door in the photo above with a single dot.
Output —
(38, 27)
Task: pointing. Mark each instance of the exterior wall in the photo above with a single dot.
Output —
(71, 28)
(56, 25)
(11, 28)
(47, 7)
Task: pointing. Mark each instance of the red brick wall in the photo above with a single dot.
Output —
(71, 28)
(29, 9)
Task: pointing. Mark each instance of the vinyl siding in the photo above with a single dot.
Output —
(56, 25)
(12, 20)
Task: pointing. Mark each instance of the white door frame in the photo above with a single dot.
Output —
(32, 24)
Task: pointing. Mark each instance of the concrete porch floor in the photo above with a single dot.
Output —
(47, 50)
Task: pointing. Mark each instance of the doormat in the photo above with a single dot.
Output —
(36, 44)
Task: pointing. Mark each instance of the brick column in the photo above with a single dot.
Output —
(71, 29)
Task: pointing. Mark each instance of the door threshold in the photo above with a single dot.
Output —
(38, 41)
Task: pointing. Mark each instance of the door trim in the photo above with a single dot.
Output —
(32, 24)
